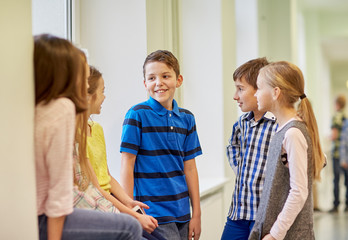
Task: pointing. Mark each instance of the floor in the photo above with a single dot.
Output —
(328, 226)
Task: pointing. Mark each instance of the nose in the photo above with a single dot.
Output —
(159, 81)
(235, 96)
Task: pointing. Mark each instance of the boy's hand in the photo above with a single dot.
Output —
(148, 222)
(194, 228)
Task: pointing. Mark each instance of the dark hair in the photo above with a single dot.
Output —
(250, 70)
(93, 82)
(58, 71)
(163, 56)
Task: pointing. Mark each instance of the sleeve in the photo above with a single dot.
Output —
(59, 160)
(233, 149)
(131, 133)
(344, 143)
(192, 147)
(296, 147)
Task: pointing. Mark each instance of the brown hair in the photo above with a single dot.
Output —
(58, 69)
(163, 56)
(250, 70)
(81, 140)
(81, 131)
(93, 80)
(341, 101)
(288, 77)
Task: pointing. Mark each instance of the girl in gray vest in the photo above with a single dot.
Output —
(294, 159)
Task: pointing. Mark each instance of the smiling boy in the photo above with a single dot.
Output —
(247, 152)
(158, 149)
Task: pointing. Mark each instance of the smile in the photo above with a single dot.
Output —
(161, 91)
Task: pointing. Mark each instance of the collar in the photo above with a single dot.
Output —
(267, 116)
(160, 110)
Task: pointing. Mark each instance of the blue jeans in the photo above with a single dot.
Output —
(237, 229)
(91, 224)
(152, 236)
(337, 172)
(174, 230)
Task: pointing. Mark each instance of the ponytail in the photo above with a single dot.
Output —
(306, 113)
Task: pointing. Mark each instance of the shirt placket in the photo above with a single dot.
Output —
(171, 132)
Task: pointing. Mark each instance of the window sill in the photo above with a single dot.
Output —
(209, 186)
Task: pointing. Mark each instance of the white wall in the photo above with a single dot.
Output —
(247, 34)
(53, 21)
(275, 40)
(114, 32)
(203, 82)
(18, 197)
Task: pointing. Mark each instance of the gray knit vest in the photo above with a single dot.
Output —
(276, 190)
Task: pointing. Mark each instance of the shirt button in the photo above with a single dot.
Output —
(170, 114)
(171, 128)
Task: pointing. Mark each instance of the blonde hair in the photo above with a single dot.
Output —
(288, 77)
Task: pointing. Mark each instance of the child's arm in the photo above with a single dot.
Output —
(121, 195)
(193, 188)
(344, 146)
(55, 227)
(148, 222)
(127, 172)
(233, 148)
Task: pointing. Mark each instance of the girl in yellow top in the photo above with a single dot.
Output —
(96, 152)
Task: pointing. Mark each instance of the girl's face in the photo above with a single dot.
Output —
(97, 98)
(264, 94)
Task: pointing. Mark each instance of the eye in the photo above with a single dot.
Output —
(150, 78)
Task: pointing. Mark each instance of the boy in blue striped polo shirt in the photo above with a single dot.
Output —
(247, 152)
(158, 149)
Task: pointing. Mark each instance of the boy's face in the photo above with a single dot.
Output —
(245, 95)
(160, 82)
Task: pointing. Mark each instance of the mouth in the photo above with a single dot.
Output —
(161, 91)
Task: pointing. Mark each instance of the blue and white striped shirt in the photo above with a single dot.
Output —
(162, 140)
(247, 154)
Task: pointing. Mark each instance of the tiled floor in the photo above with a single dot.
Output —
(328, 226)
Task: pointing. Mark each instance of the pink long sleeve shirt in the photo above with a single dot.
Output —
(54, 141)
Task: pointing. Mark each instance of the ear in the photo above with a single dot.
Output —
(276, 93)
(145, 84)
(179, 81)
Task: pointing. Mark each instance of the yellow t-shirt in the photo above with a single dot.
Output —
(96, 152)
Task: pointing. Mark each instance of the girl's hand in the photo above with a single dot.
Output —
(268, 237)
(148, 222)
(194, 228)
(140, 204)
